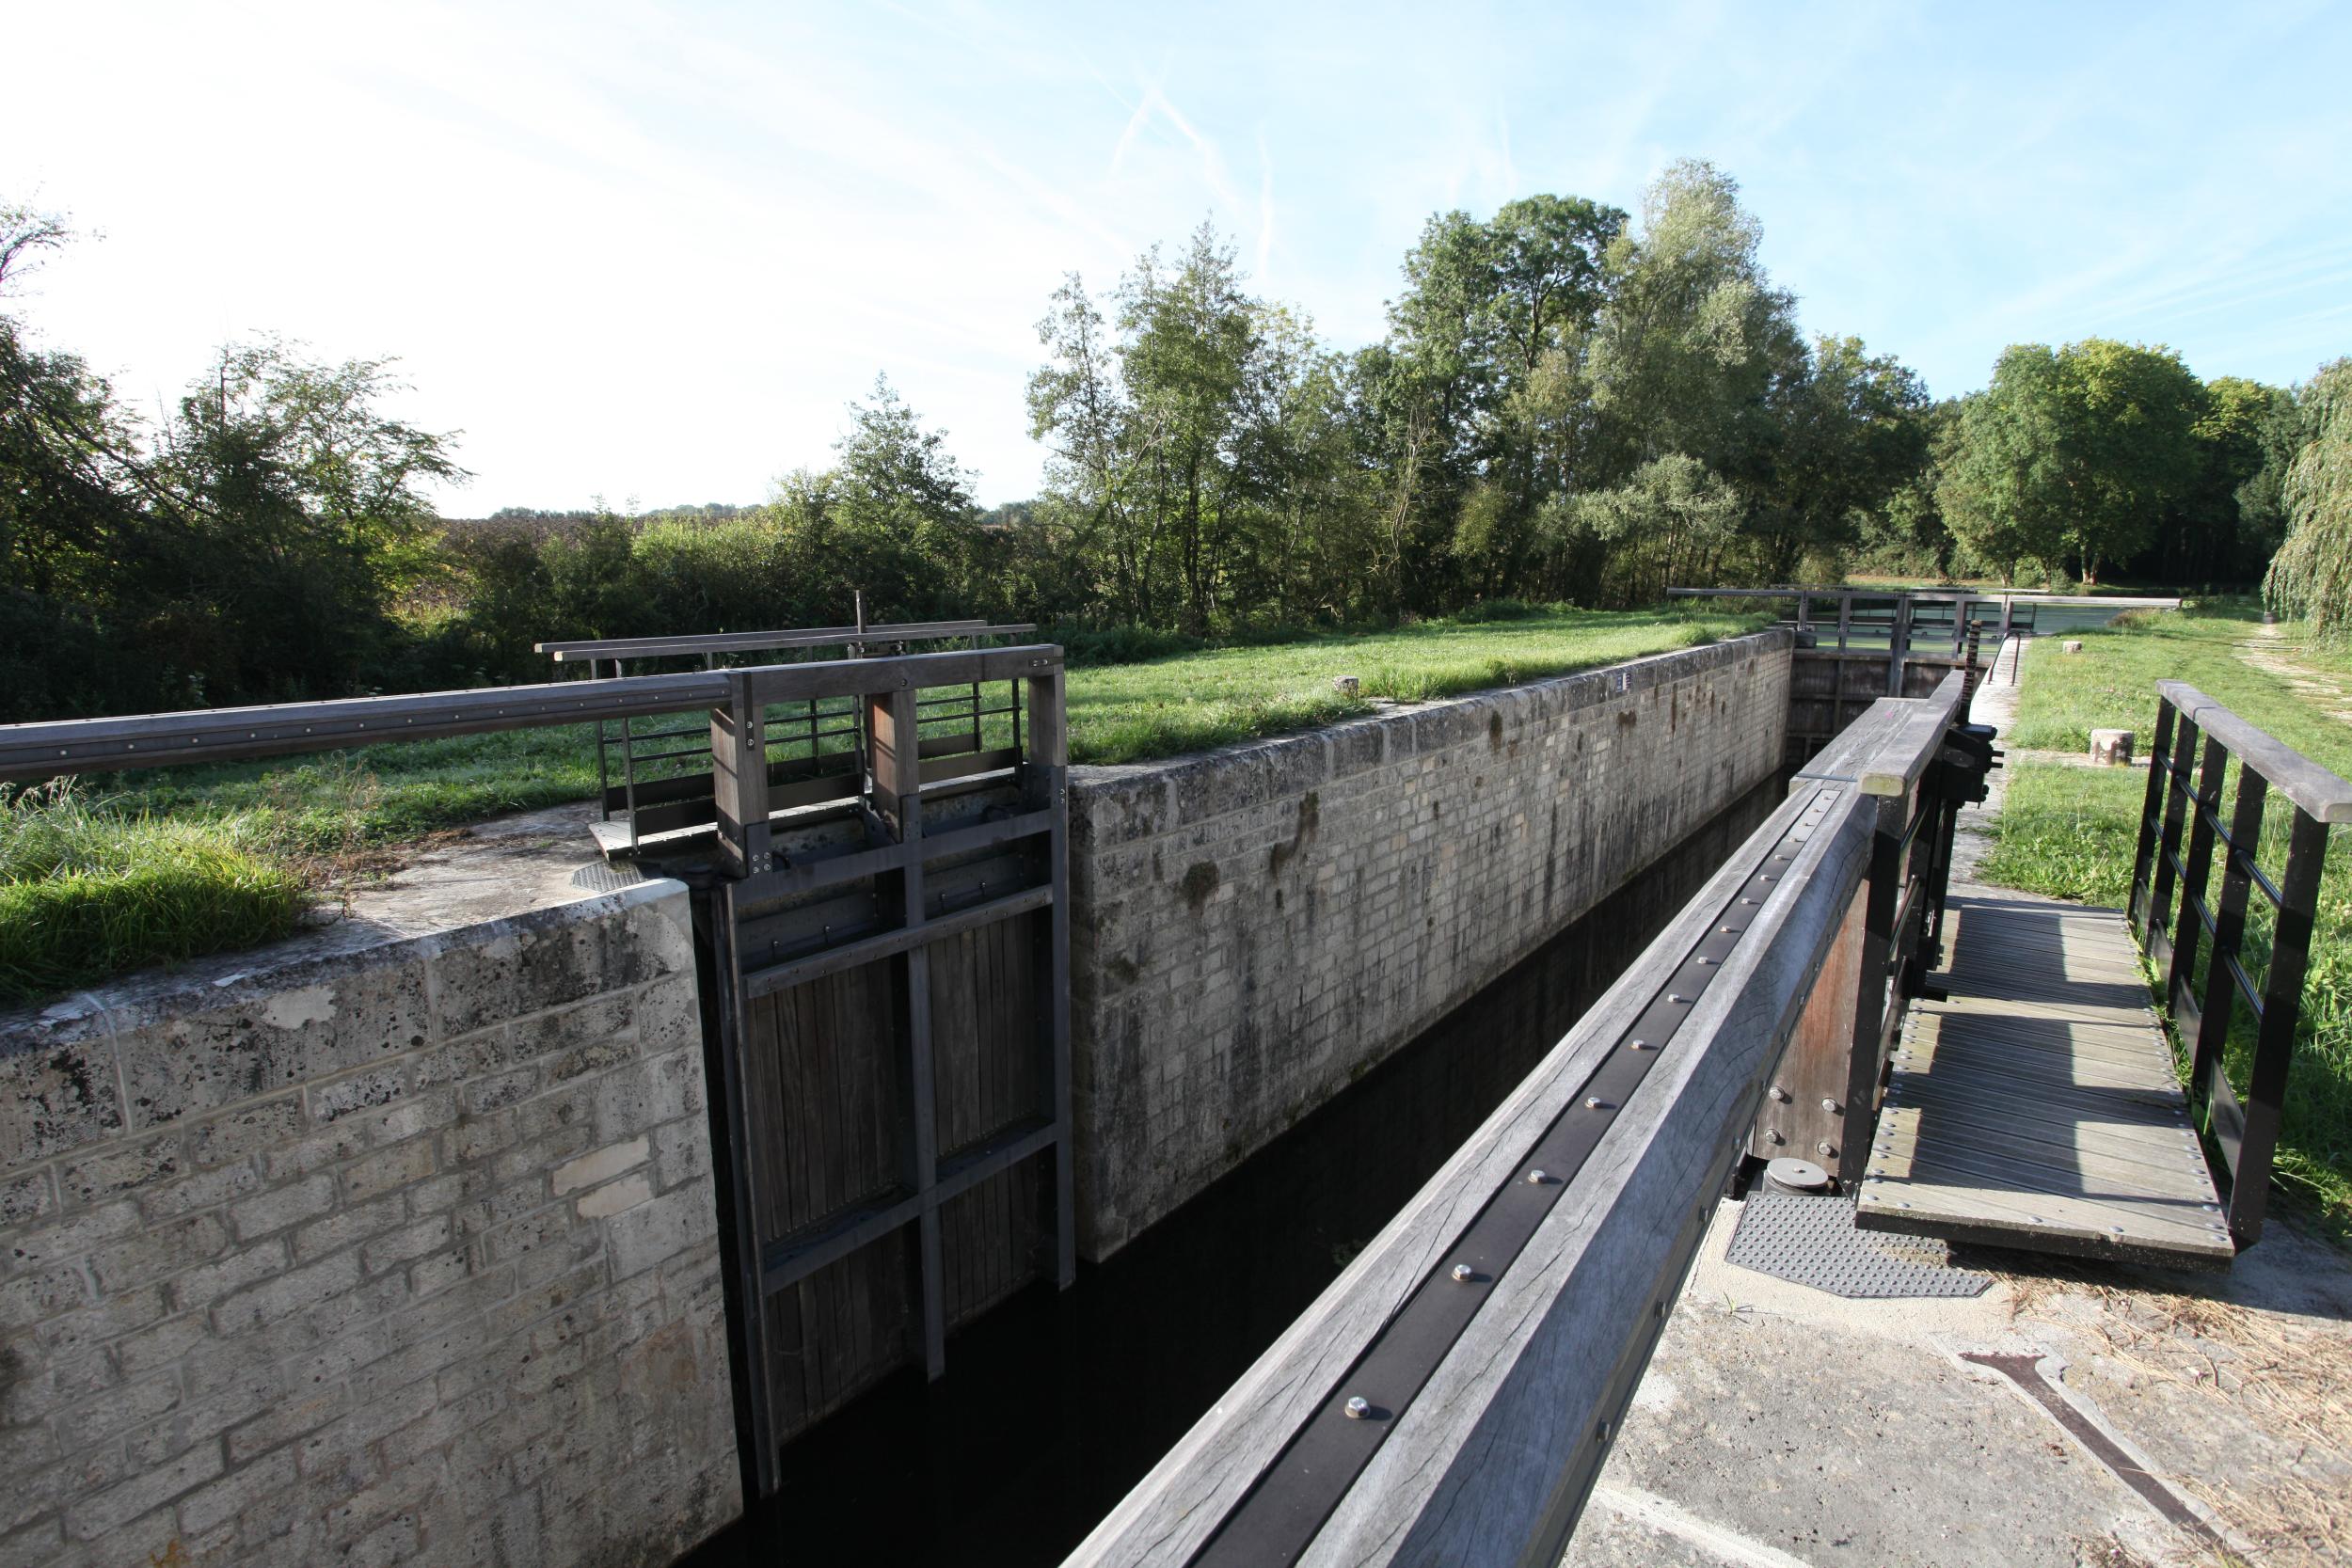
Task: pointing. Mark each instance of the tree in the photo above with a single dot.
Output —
(2077, 449)
(304, 523)
(1999, 486)
(1203, 449)
(1685, 350)
(2310, 579)
(2275, 431)
(1670, 518)
(1852, 433)
(253, 549)
(2127, 442)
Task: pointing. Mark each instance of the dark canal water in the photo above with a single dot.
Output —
(1055, 1403)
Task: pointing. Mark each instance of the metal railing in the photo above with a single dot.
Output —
(1919, 624)
(238, 733)
(660, 789)
(1452, 1396)
(2174, 916)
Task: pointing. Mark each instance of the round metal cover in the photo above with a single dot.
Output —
(1788, 1175)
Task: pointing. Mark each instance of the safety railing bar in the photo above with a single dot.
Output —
(762, 641)
(2245, 983)
(638, 756)
(2270, 890)
(2204, 915)
(672, 734)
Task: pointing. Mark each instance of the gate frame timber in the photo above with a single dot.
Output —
(888, 797)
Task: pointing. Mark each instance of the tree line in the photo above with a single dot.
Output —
(1571, 403)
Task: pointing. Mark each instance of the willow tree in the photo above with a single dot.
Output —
(2310, 579)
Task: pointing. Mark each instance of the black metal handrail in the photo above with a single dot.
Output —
(2171, 914)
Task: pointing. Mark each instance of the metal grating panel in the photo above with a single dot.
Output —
(1812, 1241)
(601, 878)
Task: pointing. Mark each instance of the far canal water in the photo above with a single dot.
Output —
(1055, 1403)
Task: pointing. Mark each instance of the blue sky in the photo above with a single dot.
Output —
(649, 252)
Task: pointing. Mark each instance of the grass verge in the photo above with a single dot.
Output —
(86, 894)
(2070, 833)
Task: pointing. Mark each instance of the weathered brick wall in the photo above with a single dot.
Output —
(374, 1254)
(1254, 927)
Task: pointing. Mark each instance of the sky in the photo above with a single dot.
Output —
(649, 254)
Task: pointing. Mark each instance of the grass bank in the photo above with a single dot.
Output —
(2070, 832)
(82, 887)
(149, 849)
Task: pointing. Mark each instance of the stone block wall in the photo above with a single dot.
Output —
(1254, 927)
(368, 1252)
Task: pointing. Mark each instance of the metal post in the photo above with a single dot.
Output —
(738, 779)
(2176, 771)
(604, 775)
(1898, 645)
(2139, 909)
(2188, 921)
(629, 767)
(2229, 934)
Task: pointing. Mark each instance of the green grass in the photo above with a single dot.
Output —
(254, 834)
(1191, 701)
(86, 894)
(2070, 833)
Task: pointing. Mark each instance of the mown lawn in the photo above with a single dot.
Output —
(2070, 833)
(293, 822)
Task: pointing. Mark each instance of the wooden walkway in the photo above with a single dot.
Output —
(2038, 1107)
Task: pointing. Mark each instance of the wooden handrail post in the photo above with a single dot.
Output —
(2273, 1041)
(1898, 645)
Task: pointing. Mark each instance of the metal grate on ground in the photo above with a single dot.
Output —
(1811, 1239)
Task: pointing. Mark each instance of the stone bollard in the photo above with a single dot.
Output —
(1346, 686)
(2072, 645)
(2111, 748)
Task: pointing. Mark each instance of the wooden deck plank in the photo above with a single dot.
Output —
(2038, 1107)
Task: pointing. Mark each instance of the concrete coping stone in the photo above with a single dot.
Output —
(1121, 802)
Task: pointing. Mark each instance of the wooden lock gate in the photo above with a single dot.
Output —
(887, 991)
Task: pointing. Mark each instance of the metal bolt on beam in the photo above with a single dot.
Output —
(1463, 1273)
(1358, 1407)
(1536, 1179)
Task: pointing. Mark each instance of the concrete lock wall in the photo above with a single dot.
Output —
(368, 1251)
(1255, 927)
